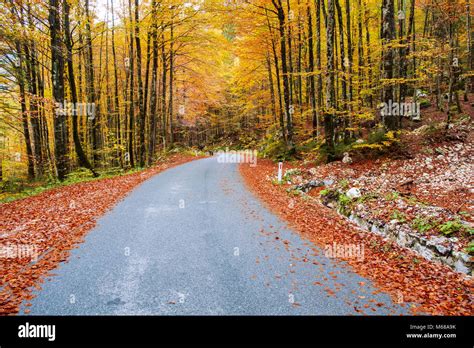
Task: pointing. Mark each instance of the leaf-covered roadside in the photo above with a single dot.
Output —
(54, 222)
(435, 288)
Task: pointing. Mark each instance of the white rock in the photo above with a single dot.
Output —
(346, 158)
(328, 182)
(353, 193)
(461, 267)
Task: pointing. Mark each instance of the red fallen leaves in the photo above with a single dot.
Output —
(55, 221)
(435, 288)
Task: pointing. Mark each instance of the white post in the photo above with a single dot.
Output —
(280, 171)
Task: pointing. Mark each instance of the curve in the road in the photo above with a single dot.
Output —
(193, 240)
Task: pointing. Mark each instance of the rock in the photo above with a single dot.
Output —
(305, 187)
(462, 256)
(347, 159)
(420, 94)
(461, 267)
(353, 193)
(328, 182)
(421, 129)
(298, 179)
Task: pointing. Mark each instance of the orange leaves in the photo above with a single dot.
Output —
(424, 287)
(54, 222)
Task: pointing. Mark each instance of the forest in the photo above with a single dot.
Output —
(244, 157)
(115, 84)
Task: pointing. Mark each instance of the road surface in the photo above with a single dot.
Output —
(194, 241)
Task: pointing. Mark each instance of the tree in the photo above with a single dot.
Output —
(388, 35)
(329, 113)
(57, 80)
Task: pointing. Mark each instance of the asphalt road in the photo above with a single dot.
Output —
(194, 241)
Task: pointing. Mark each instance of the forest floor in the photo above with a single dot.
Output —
(45, 227)
(426, 184)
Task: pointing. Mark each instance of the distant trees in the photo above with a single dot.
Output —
(169, 73)
(370, 52)
(56, 49)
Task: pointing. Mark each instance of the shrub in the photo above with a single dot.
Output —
(450, 227)
(421, 225)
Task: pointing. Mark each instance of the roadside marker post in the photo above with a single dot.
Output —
(280, 171)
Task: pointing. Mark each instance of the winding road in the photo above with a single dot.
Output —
(194, 241)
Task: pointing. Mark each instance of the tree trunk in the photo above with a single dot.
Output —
(388, 35)
(91, 95)
(330, 85)
(312, 88)
(57, 79)
(154, 78)
(286, 86)
(277, 72)
(170, 102)
(270, 84)
(131, 118)
(116, 94)
(319, 96)
(81, 156)
(469, 85)
(24, 111)
(141, 116)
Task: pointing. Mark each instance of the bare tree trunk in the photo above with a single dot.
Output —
(131, 117)
(170, 102)
(369, 55)
(141, 116)
(57, 77)
(360, 50)
(402, 52)
(412, 35)
(388, 35)
(319, 96)
(330, 85)
(349, 52)
(81, 156)
(24, 111)
(312, 87)
(290, 55)
(344, 122)
(116, 94)
(277, 71)
(451, 75)
(299, 63)
(91, 94)
(286, 86)
(270, 83)
(154, 78)
(469, 85)
(164, 113)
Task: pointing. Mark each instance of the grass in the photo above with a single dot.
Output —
(18, 188)
(14, 189)
(397, 215)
